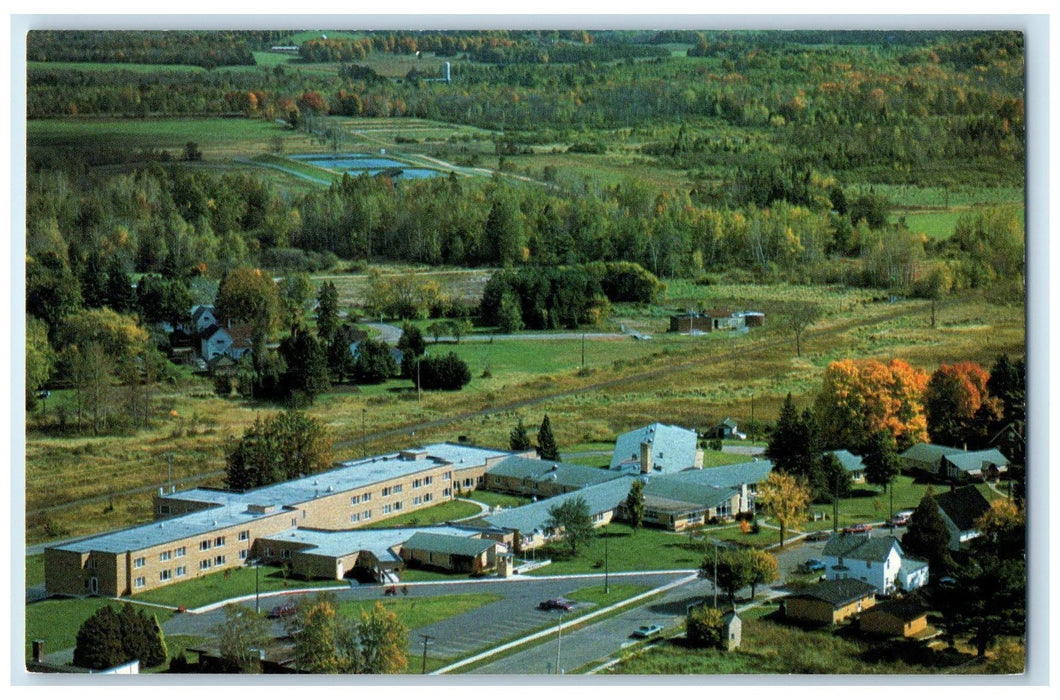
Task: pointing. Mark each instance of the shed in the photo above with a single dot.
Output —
(895, 618)
(830, 602)
(733, 628)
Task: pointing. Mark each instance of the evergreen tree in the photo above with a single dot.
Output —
(519, 438)
(99, 641)
(307, 369)
(327, 312)
(374, 363)
(881, 459)
(928, 537)
(411, 341)
(448, 372)
(546, 441)
(784, 440)
(635, 504)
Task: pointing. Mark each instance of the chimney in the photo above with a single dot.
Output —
(645, 458)
(38, 651)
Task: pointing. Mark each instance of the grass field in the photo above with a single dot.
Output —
(441, 513)
(232, 583)
(770, 647)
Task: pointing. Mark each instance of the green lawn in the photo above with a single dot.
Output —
(35, 570)
(503, 500)
(230, 583)
(57, 620)
(647, 550)
(420, 612)
(769, 647)
(441, 513)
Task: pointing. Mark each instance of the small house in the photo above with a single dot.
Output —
(732, 628)
(978, 465)
(961, 510)
(726, 430)
(830, 602)
(852, 465)
(925, 457)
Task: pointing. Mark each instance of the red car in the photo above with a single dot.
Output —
(280, 611)
(854, 529)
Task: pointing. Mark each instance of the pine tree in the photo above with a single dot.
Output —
(519, 438)
(546, 441)
(927, 535)
(881, 459)
(99, 641)
(327, 312)
(635, 504)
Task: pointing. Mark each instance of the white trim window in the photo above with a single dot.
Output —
(244, 535)
(219, 541)
(181, 571)
(180, 552)
(139, 562)
(165, 575)
(220, 560)
(140, 582)
(204, 545)
(165, 556)
(366, 515)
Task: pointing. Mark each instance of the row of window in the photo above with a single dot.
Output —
(358, 517)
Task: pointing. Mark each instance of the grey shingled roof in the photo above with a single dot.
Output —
(860, 547)
(731, 476)
(547, 471)
(381, 542)
(672, 448)
(927, 453)
(533, 516)
(974, 461)
(904, 610)
(837, 592)
(963, 506)
(681, 491)
(448, 544)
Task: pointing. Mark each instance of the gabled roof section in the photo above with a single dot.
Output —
(851, 462)
(672, 448)
(927, 453)
(448, 544)
(963, 506)
(730, 476)
(837, 592)
(533, 516)
(974, 461)
(682, 492)
(861, 547)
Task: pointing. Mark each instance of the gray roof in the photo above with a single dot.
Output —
(731, 476)
(837, 591)
(861, 547)
(851, 462)
(927, 453)
(448, 544)
(672, 448)
(546, 471)
(974, 461)
(963, 506)
(533, 516)
(231, 508)
(910, 565)
(383, 543)
(684, 492)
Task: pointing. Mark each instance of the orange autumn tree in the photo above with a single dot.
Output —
(861, 397)
(958, 405)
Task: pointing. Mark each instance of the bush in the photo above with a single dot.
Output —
(704, 628)
(448, 372)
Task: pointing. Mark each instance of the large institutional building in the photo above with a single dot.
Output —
(316, 525)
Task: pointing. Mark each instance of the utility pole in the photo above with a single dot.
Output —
(583, 350)
(169, 470)
(752, 417)
(426, 638)
(714, 583)
(559, 641)
(607, 588)
(835, 507)
(364, 434)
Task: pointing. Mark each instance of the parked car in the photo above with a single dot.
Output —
(819, 536)
(860, 527)
(901, 518)
(280, 611)
(645, 631)
(556, 604)
(811, 566)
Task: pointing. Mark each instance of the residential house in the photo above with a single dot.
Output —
(203, 316)
(895, 618)
(830, 602)
(978, 465)
(231, 341)
(874, 560)
(657, 448)
(961, 510)
(852, 464)
(726, 430)
(925, 457)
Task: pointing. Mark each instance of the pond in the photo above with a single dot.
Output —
(358, 163)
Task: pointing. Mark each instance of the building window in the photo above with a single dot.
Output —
(220, 560)
(219, 542)
(164, 556)
(139, 562)
(180, 552)
(205, 564)
(181, 571)
(294, 522)
(244, 535)
(367, 497)
(140, 581)
(285, 554)
(163, 510)
(446, 492)
(355, 518)
(416, 483)
(387, 491)
(243, 553)
(165, 575)
(367, 515)
(428, 480)
(204, 545)
(397, 506)
(427, 498)
(447, 476)
(354, 500)
(386, 509)
(417, 500)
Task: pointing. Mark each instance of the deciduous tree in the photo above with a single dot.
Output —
(241, 637)
(785, 498)
(954, 395)
(734, 569)
(383, 640)
(572, 516)
(276, 449)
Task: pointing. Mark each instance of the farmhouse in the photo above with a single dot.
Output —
(878, 561)
(961, 510)
(657, 448)
(830, 602)
(232, 341)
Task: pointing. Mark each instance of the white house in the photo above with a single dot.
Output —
(203, 316)
(961, 510)
(874, 560)
(234, 341)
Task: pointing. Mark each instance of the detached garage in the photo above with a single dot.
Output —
(451, 553)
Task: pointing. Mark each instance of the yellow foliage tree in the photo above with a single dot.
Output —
(785, 498)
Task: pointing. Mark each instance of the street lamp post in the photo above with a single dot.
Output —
(426, 638)
(752, 417)
(607, 588)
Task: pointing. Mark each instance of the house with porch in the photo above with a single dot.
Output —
(875, 560)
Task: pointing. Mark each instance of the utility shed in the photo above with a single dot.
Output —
(732, 626)
(830, 602)
(895, 618)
